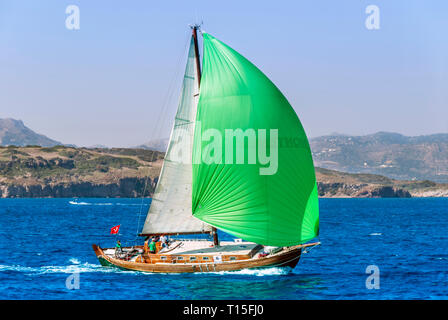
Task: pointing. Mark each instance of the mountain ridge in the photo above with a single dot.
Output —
(394, 155)
(14, 132)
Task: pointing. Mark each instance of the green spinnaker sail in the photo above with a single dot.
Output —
(279, 207)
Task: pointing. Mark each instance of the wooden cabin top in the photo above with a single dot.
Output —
(207, 248)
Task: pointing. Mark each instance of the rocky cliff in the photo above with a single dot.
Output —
(342, 190)
(336, 184)
(124, 188)
(36, 172)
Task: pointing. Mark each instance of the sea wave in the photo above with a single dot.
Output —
(75, 267)
(79, 203)
(76, 203)
(274, 271)
(244, 272)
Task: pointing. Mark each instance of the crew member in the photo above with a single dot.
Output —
(152, 246)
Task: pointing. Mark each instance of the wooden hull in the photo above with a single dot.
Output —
(287, 258)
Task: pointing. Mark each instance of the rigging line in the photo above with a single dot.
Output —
(158, 128)
(159, 124)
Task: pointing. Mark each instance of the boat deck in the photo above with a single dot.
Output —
(207, 248)
(198, 248)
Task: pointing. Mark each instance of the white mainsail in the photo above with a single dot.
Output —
(170, 210)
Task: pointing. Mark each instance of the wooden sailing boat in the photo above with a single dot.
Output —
(270, 201)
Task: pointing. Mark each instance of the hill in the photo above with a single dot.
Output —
(338, 184)
(389, 154)
(157, 144)
(63, 171)
(14, 132)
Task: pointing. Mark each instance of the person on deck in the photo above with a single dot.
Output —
(164, 241)
(118, 248)
(145, 246)
(152, 246)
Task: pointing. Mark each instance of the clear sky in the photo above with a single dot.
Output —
(107, 82)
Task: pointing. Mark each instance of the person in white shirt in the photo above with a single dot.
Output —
(163, 240)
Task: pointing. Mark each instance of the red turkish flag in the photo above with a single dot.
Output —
(114, 230)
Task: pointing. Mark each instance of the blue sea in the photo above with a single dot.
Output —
(46, 243)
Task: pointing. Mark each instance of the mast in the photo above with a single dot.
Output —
(195, 28)
(196, 51)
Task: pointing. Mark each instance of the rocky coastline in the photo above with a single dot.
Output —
(123, 188)
(342, 190)
(135, 188)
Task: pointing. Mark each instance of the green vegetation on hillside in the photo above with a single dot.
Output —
(34, 164)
